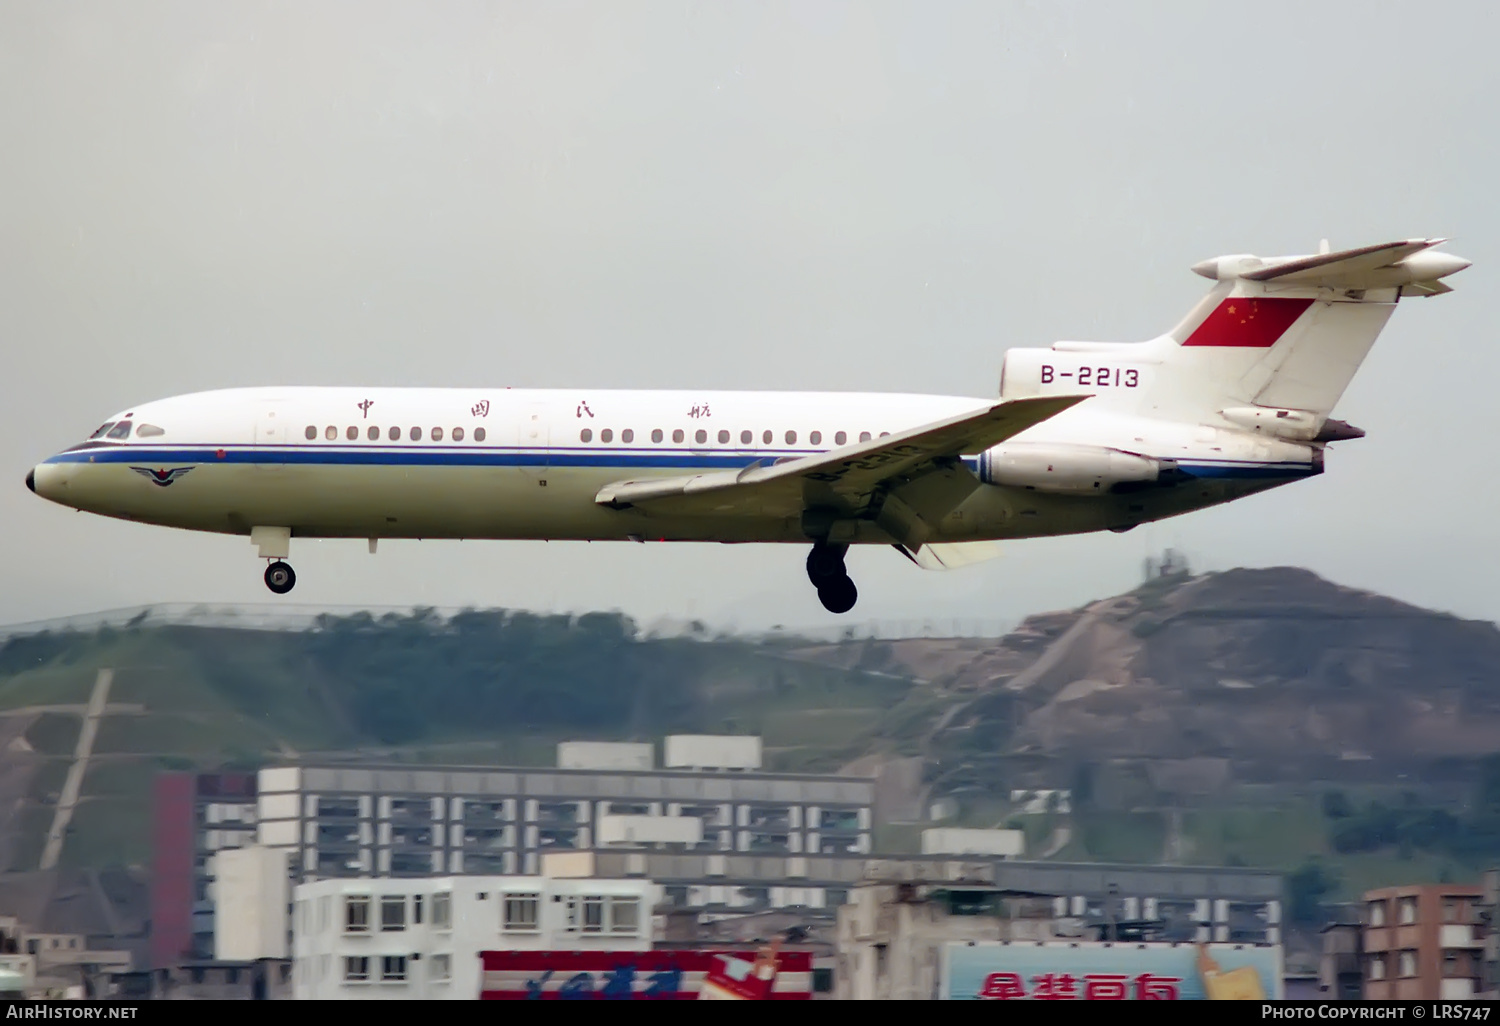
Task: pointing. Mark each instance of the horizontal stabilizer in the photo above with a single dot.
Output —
(1402, 265)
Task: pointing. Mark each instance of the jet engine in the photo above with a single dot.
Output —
(1071, 469)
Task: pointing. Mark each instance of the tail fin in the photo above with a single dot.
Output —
(1290, 333)
(1274, 341)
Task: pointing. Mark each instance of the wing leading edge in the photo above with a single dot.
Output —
(851, 479)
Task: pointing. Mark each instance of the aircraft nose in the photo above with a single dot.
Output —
(31, 479)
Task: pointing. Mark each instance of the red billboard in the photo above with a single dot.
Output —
(626, 975)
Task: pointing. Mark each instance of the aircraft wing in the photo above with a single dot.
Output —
(921, 464)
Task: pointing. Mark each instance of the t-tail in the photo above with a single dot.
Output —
(1271, 348)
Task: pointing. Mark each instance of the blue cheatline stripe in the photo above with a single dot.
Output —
(460, 456)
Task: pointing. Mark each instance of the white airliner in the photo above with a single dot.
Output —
(1086, 436)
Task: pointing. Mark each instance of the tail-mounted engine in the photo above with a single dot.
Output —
(1073, 469)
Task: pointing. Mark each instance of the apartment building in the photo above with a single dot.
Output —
(1422, 943)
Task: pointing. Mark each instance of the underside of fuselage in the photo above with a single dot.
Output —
(547, 503)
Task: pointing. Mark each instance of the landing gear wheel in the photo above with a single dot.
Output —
(280, 578)
(838, 595)
(825, 563)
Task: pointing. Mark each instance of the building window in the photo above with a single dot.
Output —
(416, 910)
(1408, 908)
(1407, 963)
(624, 915)
(442, 911)
(393, 913)
(1450, 964)
(1377, 967)
(393, 968)
(356, 968)
(593, 914)
(357, 914)
(1450, 910)
(521, 913)
(442, 968)
(1377, 913)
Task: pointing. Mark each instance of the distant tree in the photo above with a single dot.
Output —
(1336, 805)
(1306, 888)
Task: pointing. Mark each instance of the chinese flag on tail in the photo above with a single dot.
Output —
(734, 979)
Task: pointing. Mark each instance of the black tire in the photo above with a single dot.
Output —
(280, 577)
(825, 563)
(838, 595)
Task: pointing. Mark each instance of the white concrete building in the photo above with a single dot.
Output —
(420, 939)
(250, 895)
(1007, 844)
(605, 755)
(711, 752)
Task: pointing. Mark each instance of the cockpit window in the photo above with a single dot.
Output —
(102, 429)
(148, 431)
(120, 430)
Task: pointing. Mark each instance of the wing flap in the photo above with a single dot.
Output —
(850, 471)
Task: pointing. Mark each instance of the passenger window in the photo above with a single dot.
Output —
(607, 435)
(352, 433)
(766, 438)
(885, 434)
(656, 435)
(310, 433)
(864, 436)
(745, 437)
(103, 428)
(816, 438)
(840, 438)
(120, 430)
(458, 434)
(148, 431)
(394, 434)
(586, 435)
(373, 434)
(628, 435)
(330, 432)
(479, 434)
(415, 434)
(701, 436)
(437, 434)
(723, 437)
(791, 438)
(677, 435)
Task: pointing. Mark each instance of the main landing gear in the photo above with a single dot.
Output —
(825, 569)
(280, 578)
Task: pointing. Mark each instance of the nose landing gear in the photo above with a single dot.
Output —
(280, 577)
(825, 569)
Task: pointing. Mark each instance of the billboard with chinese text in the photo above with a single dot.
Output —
(1066, 971)
(625, 975)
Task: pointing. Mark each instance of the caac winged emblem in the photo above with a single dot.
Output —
(162, 477)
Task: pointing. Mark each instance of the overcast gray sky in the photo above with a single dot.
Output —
(728, 195)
